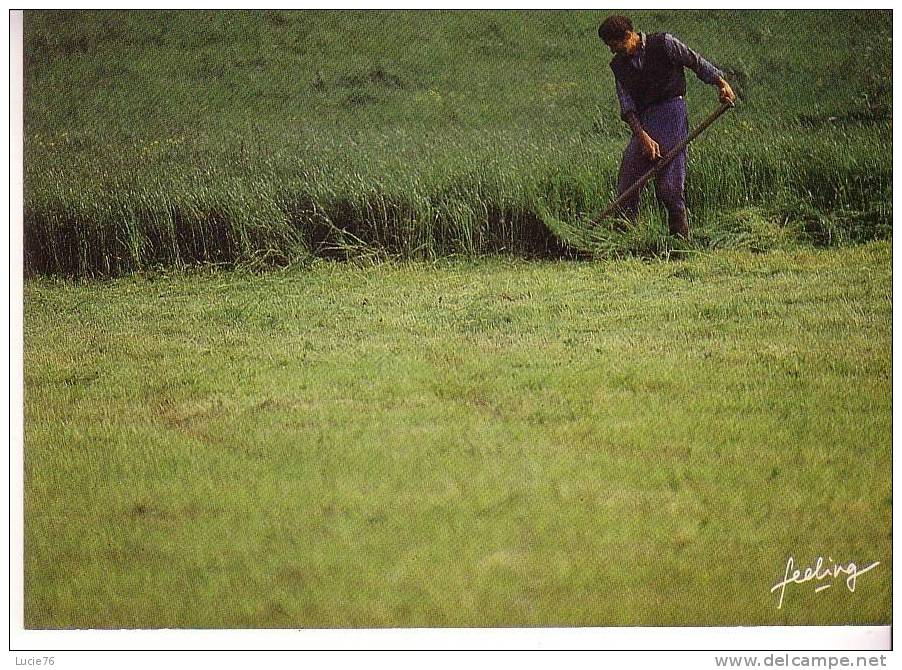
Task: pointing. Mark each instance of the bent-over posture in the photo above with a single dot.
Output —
(651, 86)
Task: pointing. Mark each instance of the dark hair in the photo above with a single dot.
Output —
(615, 28)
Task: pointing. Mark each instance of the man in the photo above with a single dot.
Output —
(651, 85)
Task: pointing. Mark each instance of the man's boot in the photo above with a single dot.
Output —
(678, 222)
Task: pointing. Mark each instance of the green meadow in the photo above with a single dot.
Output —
(491, 443)
(316, 333)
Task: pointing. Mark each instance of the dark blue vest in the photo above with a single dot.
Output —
(657, 81)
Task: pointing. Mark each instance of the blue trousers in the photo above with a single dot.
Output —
(668, 124)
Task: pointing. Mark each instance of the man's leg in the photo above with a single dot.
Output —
(632, 166)
(668, 124)
(670, 189)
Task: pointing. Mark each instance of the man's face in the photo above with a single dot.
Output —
(625, 45)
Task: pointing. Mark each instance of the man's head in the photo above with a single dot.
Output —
(617, 32)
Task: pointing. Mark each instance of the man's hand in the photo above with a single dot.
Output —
(651, 148)
(727, 97)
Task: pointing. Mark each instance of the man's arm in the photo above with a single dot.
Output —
(627, 104)
(678, 52)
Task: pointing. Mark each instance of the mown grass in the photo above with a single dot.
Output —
(164, 139)
(488, 443)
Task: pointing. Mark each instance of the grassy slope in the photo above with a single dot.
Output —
(170, 137)
(499, 443)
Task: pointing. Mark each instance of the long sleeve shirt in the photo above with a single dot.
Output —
(677, 52)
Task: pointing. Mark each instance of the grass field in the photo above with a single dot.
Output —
(164, 139)
(498, 442)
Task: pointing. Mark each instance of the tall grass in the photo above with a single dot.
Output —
(171, 138)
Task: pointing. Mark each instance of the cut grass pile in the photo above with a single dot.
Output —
(461, 444)
(165, 139)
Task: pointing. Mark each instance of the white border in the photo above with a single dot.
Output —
(759, 638)
(15, 464)
(637, 638)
